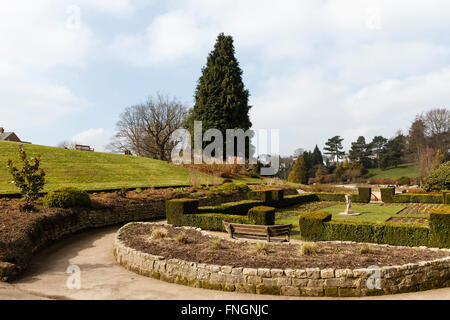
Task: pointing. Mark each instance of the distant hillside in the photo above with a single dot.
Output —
(96, 171)
(403, 170)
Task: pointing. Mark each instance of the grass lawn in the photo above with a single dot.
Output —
(95, 170)
(403, 170)
(369, 213)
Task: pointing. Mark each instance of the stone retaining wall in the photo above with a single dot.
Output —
(61, 223)
(289, 282)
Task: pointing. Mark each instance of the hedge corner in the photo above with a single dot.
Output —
(311, 225)
(364, 194)
(387, 195)
(262, 215)
(440, 227)
(446, 196)
(176, 208)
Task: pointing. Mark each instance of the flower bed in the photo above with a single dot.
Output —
(337, 269)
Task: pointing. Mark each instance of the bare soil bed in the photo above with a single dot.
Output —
(199, 248)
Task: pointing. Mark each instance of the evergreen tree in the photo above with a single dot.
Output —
(360, 152)
(317, 158)
(378, 145)
(298, 173)
(221, 100)
(334, 148)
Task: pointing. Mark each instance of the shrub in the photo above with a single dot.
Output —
(177, 208)
(296, 199)
(159, 233)
(311, 225)
(231, 186)
(384, 181)
(340, 197)
(261, 195)
(416, 198)
(262, 215)
(387, 194)
(238, 208)
(367, 249)
(261, 248)
(440, 227)
(364, 194)
(439, 179)
(67, 197)
(30, 179)
(216, 244)
(404, 181)
(446, 196)
(182, 238)
(212, 221)
(299, 172)
(308, 249)
(415, 190)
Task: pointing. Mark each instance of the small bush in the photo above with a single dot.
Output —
(261, 248)
(404, 181)
(159, 233)
(138, 190)
(216, 244)
(231, 186)
(367, 249)
(182, 238)
(67, 197)
(308, 249)
(262, 215)
(439, 179)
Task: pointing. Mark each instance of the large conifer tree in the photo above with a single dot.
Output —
(221, 100)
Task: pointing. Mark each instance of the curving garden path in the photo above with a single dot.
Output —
(103, 278)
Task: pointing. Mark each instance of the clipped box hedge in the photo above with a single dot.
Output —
(440, 227)
(364, 194)
(176, 209)
(318, 226)
(261, 195)
(237, 208)
(446, 196)
(262, 215)
(67, 197)
(416, 198)
(212, 221)
(387, 194)
(325, 196)
(297, 199)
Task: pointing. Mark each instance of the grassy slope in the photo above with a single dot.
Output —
(96, 171)
(403, 170)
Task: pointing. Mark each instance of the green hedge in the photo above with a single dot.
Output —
(262, 215)
(176, 209)
(297, 199)
(238, 208)
(212, 221)
(261, 195)
(318, 226)
(416, 198)
(312, 225)
(364, 194)
(387, 194)
(446, 196)
(440, 227)
(340, 197)
(67, 197)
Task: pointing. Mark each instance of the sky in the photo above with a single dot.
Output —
(314, 68)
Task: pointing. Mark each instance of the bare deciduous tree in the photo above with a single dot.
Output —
(146, 129)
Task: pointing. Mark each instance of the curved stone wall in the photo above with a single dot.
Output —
(289, 282)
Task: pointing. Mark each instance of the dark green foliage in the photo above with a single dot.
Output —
(364, 194)
(221, 100)
(296, 199)
(404, 181)
(334, 147)
(30, 179)
(439, 179)
(311, 225)
(360, 152)
(237, 208)
(446, 196)
(440, 227)
(262, 195)
(176, 209)
(377, 146)
(212, 221)
(322, 196)
(317, 226)
(387, 194)
(317, 158)
(299, 172)
(262, 215)
(231, 186)
(67, 197)
(416, 198)
(277, 195)
(393, 152)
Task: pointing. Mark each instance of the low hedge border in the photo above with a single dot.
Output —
(318, 226)
(388, 195)
(238, 208)
(288, 282)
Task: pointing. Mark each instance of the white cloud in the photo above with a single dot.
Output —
(96, 138)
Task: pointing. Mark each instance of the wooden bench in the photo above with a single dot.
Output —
(258, 230)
